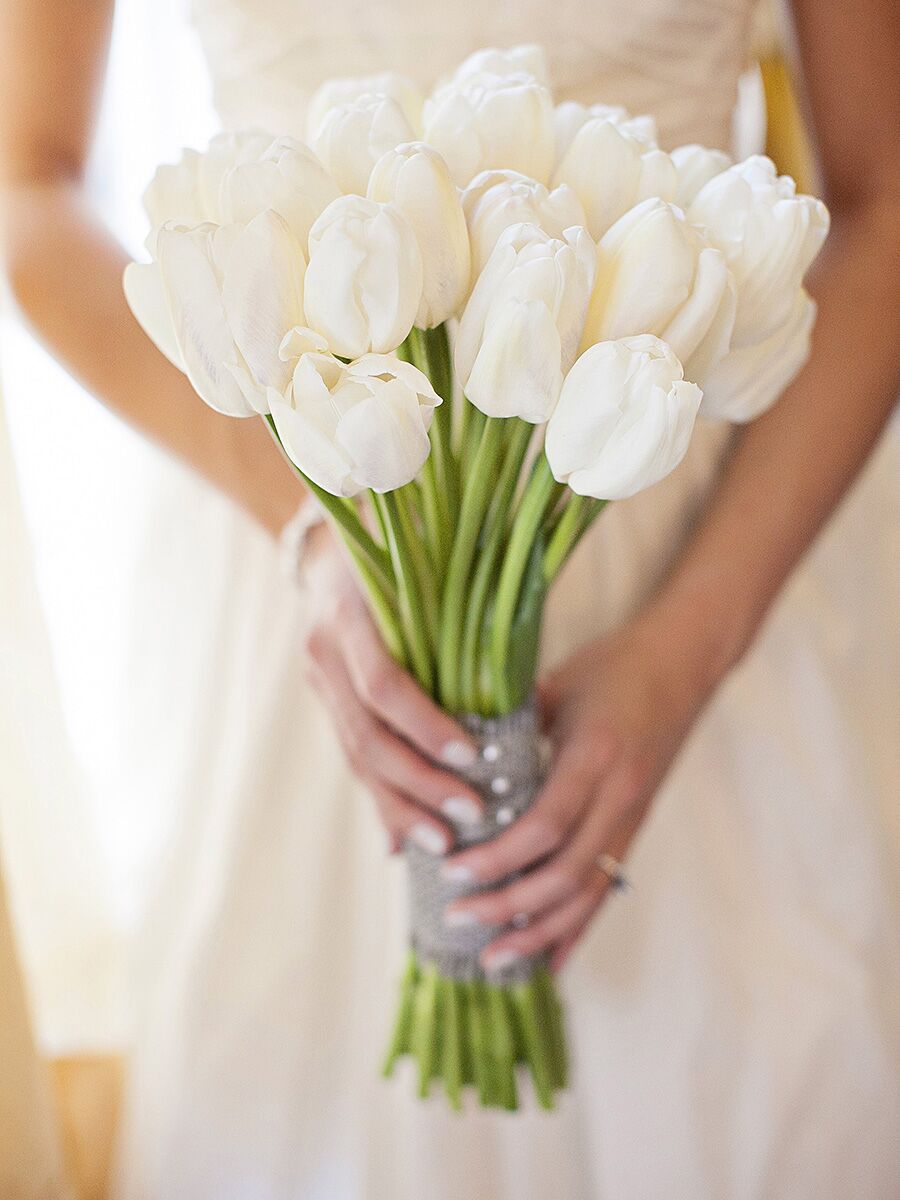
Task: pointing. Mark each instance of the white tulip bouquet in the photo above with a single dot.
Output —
(471, 321)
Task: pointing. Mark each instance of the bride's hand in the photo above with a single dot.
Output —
(617, 713)
(391, 732)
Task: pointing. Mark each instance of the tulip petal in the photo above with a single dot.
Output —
(311, 449)
(517, 372)
(385, 437)
(262, 292)
(192, 288)
(146, 296)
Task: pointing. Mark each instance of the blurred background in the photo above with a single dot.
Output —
(85, 701)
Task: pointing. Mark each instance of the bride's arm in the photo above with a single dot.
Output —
(622, 708)
(65, 269)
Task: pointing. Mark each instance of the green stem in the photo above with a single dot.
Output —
(439, 477)
(539, 492)
(492, 542)
(577, 517)
(474, 428)
(421, 563)
(411, 608)
(471, 515)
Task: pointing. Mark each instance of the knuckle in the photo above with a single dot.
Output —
(562, 878)
(316, 644)
(379, 685)
(546, 832)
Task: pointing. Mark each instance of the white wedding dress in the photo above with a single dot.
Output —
(734, 1018)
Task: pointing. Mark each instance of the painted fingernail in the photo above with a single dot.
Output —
(459, 918)
(430, 839)
(458, 754)
(501, 959)
(456, 873)
(461, 809)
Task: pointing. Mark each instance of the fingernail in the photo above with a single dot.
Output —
(430, 839)
(458, 754)
(501, 959)
(458, 918)
(461, 809)
(456, 873)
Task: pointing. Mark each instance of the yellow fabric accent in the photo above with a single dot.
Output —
(787, 141)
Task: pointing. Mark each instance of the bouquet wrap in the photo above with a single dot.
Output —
(507, 779)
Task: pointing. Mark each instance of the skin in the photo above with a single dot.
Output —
(618, 711)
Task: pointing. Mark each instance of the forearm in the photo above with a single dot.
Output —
(65, 272)
(789, 468)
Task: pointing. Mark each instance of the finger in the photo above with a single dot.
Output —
(526, 896)
(616, 812)
(553, 927)
(397, 700)
(378, 755)
(618, 848)
(542, 830)
(406, 820)
(606, 824)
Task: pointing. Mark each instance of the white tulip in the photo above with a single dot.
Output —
(416, 180)
(359, 426)
(696, 165)
(188, 192)
(656, 274)
(520, 330)
(218, 301)
(518, 60)
(624, 419)
(364, 280)
(749, 379)
(768, 234)
(569, 117)
(287, 178)
(335, 93)
(611, 170)
(485, 121)
(495, 200)
(353, 136)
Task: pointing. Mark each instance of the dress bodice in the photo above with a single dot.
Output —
(677, 59)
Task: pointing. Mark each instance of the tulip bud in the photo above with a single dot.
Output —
(483, 121)
(416, 180)
(354, 136)
(287, 178)
(518, 60)
(624, 419)
(364, 280)
(355, 427)
(569, 117)
(768, 234)
(495, 200)
(695, 166)
(225, 297)
(656, 274)
(188, 192)
(335, 93)
(611, 170)
(519, 332)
